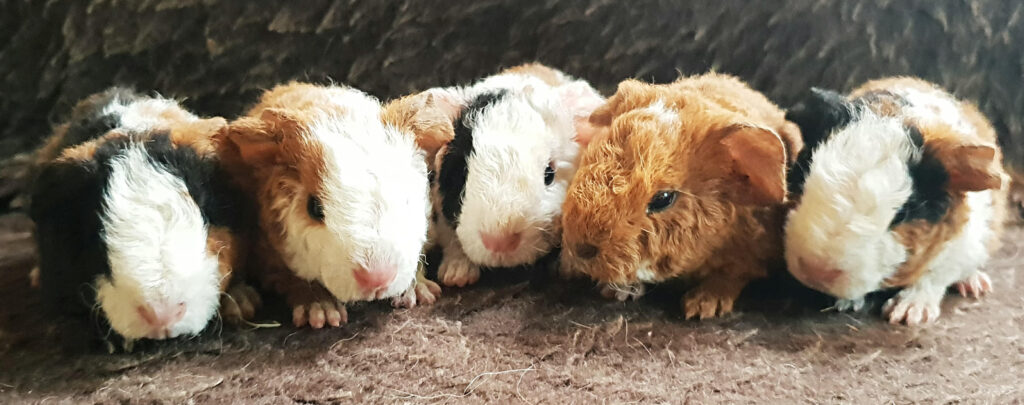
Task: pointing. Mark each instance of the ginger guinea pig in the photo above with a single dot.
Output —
(135, 219)
(501, 177)
(900, 186)
(681, 180)
(343, 200)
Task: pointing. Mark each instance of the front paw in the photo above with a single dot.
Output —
(424, 292)
(239, 303)
(913, 306)
(844, 305)
(319, 313)
(706, 302)
(975, 286)
(458, 272)
(623, 292)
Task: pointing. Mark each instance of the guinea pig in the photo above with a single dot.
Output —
(901, 185)
(343, 200)
(681, 180)
(502, 174)
(136, 221)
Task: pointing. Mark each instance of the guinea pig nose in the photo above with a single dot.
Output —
(375, 277)
(501, 243)
(162, 315)
(586, 251)
(818, 274)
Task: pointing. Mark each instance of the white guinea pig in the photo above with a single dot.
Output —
(135, 218)
(501, 180)
(343, 200)
(899, 185)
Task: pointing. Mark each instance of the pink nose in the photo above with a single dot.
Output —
(161, 316)
(818, 274)
(375, 277)
(502, 243)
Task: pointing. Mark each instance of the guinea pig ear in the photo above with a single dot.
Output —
(818, 113)
(428, 115)
(971, 167)
(757, 161)
(259, 139)
(581, 100)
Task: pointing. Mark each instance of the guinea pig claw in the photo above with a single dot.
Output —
(707, 304)
(320, 314)
(854, 305)
(623, 292)
(424, 292)
(975, 286)
(458, 272)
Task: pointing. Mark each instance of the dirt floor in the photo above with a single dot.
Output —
(521, 337)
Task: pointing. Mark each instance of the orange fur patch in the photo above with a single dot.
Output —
(546, 74)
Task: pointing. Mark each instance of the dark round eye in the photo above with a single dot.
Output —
(549, 174)
(315, 208)
(661, 201)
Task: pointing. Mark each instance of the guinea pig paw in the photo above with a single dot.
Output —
(707, 304)
(240, 303)
(623, 292)
(854, 305)
(33, 277)
(913, 307)
(975, 286)
(458, 272)
(424, 292)
(318, 314)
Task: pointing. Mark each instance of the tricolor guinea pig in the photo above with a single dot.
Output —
(901, 185)
(136, 220)
(681, 180)
(501, 178)
(343, 200)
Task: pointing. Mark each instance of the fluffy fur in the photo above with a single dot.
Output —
(714, 145)
(128, 203)
(304, 142)
(908, 192)
(511, 131)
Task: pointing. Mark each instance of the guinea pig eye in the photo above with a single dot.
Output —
(661, 201)
(549, 174)
(315, 208)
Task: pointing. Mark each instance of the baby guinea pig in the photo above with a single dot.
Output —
(135, 219)
(343, 200)
(501, 178)
(901, 185)
(681, 180)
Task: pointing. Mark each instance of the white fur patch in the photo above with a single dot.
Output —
(858, 180)
(645, 274)
(144, 114)
(156, 243)
(374, 196)
(663, 114)
(514, 142)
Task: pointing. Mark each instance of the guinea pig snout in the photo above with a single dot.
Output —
(817, 274)
(161, 316)
(375, 278)
(501, 242)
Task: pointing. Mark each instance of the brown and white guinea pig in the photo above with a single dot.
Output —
(501, 177)
(901, 185)
(681, 180)
(135, 219)
(343, 199)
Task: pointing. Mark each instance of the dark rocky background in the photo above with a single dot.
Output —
(218, 54)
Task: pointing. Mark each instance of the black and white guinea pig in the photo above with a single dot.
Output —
(900, 185)
(500, 182)
(135, 220)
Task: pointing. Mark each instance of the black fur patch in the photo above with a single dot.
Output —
(451, 177)
(88, 120)
(928, 200)
(818, 115)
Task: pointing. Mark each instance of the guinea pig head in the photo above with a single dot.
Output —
(863, 183)
(661, 184)
(503, 177)
(343, 196)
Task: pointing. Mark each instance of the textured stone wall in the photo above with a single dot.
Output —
(219, 53)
